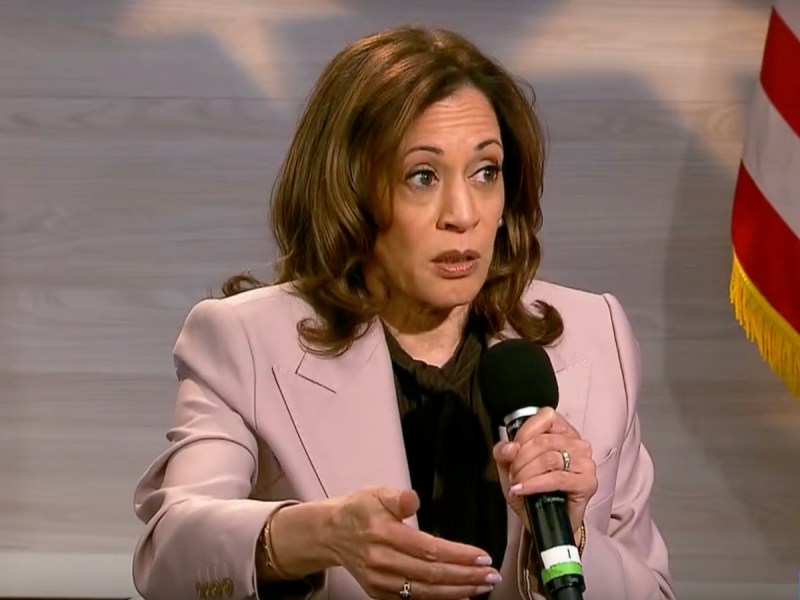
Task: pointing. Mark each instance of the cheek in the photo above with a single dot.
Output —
(399, 256)
(404, 238)
(489, 232)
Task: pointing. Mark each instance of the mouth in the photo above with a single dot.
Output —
(457, 264)
(457, 256)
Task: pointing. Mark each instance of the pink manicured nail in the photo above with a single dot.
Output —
(484, 589)
(508, 449)
(516, 488)
(483, 561)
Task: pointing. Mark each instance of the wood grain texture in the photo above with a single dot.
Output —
(138, 143)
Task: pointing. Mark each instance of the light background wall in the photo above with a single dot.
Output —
(138, 143)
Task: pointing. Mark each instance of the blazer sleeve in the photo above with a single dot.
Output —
(629, 561)
(201, 528)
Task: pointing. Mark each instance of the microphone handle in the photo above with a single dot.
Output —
(568, 593)
(552, 534)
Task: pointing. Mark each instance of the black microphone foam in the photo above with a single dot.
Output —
(515, 374)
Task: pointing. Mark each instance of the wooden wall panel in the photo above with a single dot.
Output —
(138, 142)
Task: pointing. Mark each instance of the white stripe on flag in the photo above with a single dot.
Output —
(789, 11)
(772, 157)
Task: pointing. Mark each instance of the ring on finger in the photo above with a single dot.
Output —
(567, 460)
(405, 593)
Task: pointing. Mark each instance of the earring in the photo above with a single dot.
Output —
(501, 222)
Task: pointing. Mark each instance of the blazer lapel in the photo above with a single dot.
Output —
(346, 414)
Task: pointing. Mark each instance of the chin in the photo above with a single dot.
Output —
(444, 294)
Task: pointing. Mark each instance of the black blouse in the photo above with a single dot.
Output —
(448, 441)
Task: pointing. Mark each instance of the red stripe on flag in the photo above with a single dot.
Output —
(780, 71)
(768, 250)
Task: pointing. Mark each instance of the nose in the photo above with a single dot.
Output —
(459, 211)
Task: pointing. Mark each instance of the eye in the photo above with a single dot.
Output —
(422, 178)
(488, 174)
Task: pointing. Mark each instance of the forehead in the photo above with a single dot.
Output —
(464, 114)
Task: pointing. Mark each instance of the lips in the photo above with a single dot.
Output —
(457, 256)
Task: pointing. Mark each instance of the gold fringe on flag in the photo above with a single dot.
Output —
(777, 341)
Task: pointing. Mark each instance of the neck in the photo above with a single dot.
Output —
(428, 335)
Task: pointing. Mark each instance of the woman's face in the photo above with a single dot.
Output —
(446, 205)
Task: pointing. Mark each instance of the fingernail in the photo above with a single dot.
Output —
(493, 578)
(483, 561)
(484, 589)
(508, 449)
(516, 488)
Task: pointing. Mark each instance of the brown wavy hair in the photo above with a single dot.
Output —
(343, 159)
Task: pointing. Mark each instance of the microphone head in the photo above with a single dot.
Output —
(515, 374)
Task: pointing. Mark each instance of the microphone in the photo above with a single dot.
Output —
(516, 380)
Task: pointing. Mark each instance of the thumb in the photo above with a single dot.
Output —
(504, 454)
(402, 504)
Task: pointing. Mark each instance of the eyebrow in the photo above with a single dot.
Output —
(437, 150)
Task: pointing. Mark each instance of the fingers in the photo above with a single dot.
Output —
(546, 420)
(388, 569)
(382, 552)
(423, 546)
(576, 484)
(504, 453)
(539, 466)
(401, 504)
(387, 587)
(544, 453)
(392, 532)
(445, 592)
(437, 568)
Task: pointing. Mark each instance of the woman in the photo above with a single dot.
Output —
(406, 215)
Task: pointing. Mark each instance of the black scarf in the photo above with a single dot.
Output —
(448, 441)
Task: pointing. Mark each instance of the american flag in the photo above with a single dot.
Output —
(765, 282)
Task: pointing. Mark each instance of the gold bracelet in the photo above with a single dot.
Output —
(266, 545)
(582, 542)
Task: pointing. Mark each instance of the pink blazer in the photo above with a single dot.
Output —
(259, 421)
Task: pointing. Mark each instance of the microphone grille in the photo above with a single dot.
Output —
(515, 374)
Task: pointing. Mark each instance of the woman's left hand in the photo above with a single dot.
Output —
(534, 463)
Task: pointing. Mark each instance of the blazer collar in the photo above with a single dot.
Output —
(334, 373)
(346, 415)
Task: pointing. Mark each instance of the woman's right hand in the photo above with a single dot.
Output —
(367, 536)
